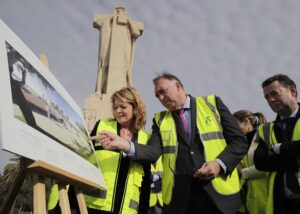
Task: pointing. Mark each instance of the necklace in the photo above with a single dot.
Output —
(126, 131)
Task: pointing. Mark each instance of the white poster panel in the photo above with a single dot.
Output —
(38, 119)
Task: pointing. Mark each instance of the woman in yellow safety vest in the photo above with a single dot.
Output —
(127, 181)
(253, 181)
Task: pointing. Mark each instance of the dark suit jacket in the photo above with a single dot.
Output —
(190, 153)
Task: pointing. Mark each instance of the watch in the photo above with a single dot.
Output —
(271, 148)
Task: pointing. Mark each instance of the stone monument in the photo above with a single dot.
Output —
(118, 34)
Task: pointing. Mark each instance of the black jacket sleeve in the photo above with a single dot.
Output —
(237, 146)
(290, 149)
(150, 153)
(268, 161)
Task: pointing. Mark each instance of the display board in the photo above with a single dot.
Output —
(38, 118)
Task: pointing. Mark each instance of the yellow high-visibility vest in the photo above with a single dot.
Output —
(210, 133)
(109, 165)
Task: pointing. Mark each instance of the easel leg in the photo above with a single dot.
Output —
(39, 195)
(81, 201)
(64, 199)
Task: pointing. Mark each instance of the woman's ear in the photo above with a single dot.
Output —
(248, 124)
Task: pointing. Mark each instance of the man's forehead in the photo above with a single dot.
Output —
(274, 86)
(162, 82)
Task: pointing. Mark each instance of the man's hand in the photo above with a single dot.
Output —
(208, 170)
(111, 141)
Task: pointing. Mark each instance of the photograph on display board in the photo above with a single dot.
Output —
(37, 103)
(39, 120)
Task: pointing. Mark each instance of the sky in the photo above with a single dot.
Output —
(222, 47)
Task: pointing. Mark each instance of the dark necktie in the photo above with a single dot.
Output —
(288, 124)
(184, 121)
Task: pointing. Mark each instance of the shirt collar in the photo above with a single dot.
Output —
(294, 114)
(187, 103)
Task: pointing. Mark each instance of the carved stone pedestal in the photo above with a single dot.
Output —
(95, 107)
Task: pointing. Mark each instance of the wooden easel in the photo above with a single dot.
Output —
(42, 170)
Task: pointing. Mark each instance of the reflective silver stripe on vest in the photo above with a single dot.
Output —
(266, 130)
(133, 205)
(213, 109)
(97, 193)
(169, 149)
(102, 194)
(159, 173)
(161, 117)
(211, 136)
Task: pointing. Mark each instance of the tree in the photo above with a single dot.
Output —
(24, 199)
